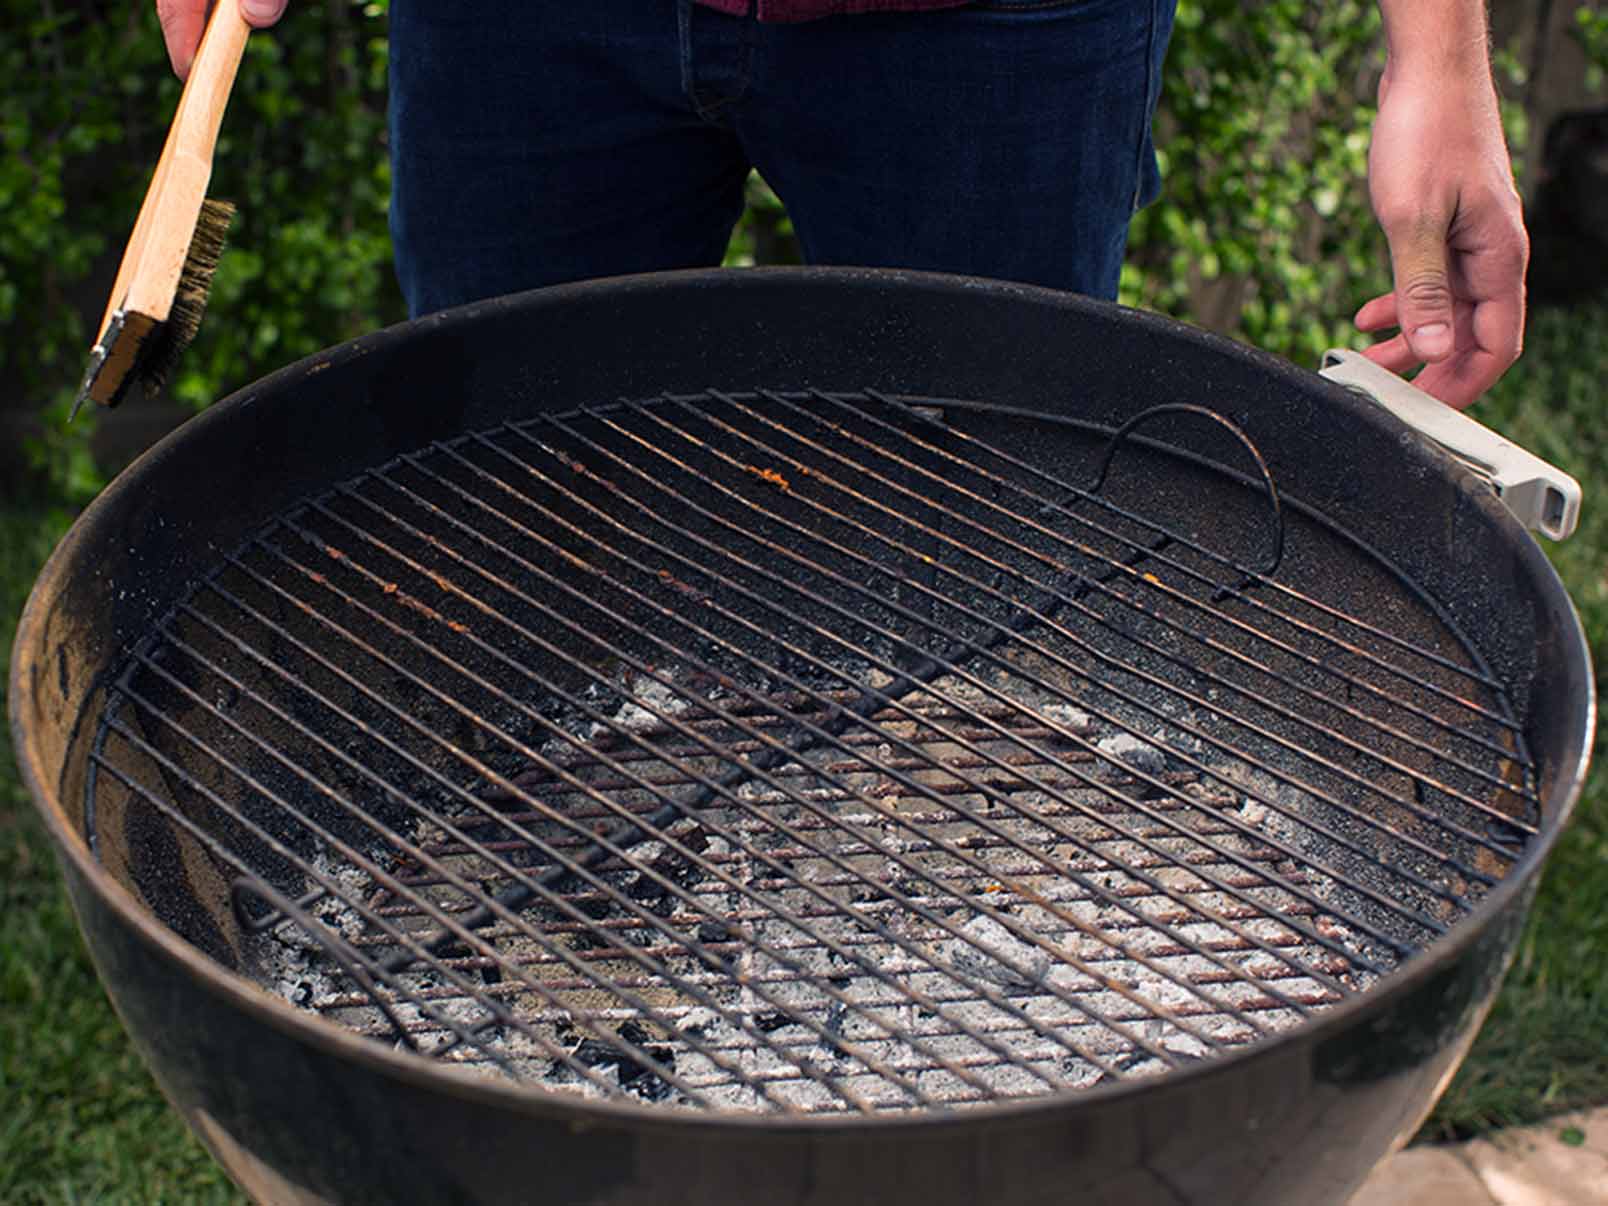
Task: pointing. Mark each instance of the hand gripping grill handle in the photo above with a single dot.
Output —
(1545, 499)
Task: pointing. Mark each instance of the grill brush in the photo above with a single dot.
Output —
(161, 289)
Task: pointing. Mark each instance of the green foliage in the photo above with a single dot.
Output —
(1264, 227)
(1544, 1048)
(82, 1120)
(1591, 31)
(302, 154)
(66, 170)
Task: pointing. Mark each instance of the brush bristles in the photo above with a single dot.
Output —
(190, 302)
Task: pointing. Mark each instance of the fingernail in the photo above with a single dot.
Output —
(1432, 339)
(259, 10)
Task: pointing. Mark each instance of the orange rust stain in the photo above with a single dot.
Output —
(768, 475)
(424, 609)
(677, 584)
(334, 552)
(1151, 578)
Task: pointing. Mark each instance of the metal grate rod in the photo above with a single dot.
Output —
(466, 923)
(682, 621)
(1480, 676)
(599, 850)
(516, 896)
(1044, 504)
(682, 503)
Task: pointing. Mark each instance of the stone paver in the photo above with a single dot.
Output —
(1535, 1167)
(1532, 1166)
(1423, 1176)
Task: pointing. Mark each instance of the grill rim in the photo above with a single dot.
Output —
(33, 675)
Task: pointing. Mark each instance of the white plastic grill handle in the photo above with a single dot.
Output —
(1545, 499)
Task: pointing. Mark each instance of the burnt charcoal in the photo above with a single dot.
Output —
(451, 949)
(713, 931)
(678, 870)
(835, 1013)
(1568, 215)
(645, 889)
(593, 1053)
(632, 1032)
(647, 1086)
(1134, 1059)
(631, 1073)
(559, 1073)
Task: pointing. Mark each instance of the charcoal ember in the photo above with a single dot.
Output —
(987, 949)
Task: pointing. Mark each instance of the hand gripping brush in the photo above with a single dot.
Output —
(161, 289)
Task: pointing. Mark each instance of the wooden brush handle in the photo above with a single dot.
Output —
(154, 259)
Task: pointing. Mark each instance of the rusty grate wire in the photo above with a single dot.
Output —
(807, 753)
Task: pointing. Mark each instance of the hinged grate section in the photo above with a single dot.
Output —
(809, 753)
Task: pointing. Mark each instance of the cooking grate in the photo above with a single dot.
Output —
(810, 753)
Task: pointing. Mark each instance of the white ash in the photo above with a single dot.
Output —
(654, 694)
(1066, 716)
(1138, 755)
(986, 948)
(906, 991)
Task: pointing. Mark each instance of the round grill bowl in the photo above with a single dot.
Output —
(884, 378)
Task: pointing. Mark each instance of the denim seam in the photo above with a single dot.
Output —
(684, 37)
(1150, 103)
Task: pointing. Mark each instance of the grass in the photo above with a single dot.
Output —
(1545, 1046)
(83, 1121)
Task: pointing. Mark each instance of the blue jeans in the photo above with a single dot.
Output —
(554, 141)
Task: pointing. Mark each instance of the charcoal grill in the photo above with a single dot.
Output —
(1040, 769)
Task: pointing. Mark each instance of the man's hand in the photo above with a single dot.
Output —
(183, 21)
(1442, 188)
